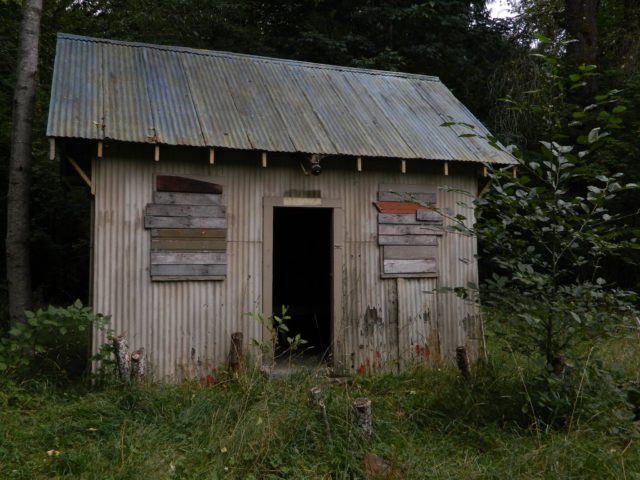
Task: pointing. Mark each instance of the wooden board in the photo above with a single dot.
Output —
(184, 222)
(188, 270)
(409, 252)
(185, 211)
(398, 229)
(181, 244)
(175, 198)
(189, 233)
(429, 216)
(184, 278)
(410, 266)
(396, 196)
(171, 183)
(406, 219)
(188, 258)
(407, 240)
(398, 207)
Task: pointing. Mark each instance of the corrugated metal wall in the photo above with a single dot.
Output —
(185, 326)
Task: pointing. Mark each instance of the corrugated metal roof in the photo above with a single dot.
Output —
(134, 92)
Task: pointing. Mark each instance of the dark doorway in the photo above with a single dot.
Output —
(302, 275)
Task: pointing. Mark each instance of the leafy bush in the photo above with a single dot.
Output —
(546, 233)
(53, 342)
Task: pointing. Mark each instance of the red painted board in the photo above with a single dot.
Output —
(171, 183)
(399, 207)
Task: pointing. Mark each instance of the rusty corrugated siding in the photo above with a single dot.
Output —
(105, 89)
(185, 326)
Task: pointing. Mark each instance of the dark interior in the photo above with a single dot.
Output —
(302, 275)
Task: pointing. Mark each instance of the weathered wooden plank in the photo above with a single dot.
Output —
(190, 278)
(406, 219)
(172, 183)
(409, 252)
(180, 244)
(185, 211)
(190, 258)
(184, 222)
(175, 198)
(429, 216)
(398, 229)
(410, 266)
(407, 240)
(396, 196)
(189, 233)
(188, 270)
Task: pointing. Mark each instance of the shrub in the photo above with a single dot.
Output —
(53, 342)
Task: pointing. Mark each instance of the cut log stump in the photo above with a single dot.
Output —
(315, 396)
(363, 416)
(235, 352)
(138, 365)
(462, 359)
(123, 360)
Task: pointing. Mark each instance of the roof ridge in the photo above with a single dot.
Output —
(218, 53)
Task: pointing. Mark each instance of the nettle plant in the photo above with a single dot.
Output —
(545, 233)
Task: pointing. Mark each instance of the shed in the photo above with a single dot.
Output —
(226, 186)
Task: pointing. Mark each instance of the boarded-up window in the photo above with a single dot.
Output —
(408, 231)
(188, 230)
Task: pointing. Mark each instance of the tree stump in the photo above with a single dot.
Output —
(235, 352)
(559, 365)
(138, 365)
(363, 416)
(462, 359)
(315, 396)
(123, 361)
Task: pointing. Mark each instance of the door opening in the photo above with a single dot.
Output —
(302, 246)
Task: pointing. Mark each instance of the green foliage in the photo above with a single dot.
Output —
(427, 424)
(546, 234)
(52, 343)
(281, 342)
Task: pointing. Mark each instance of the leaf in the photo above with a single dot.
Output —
(618, 109)
(594, 135)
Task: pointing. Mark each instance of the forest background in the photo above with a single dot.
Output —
(481, 59)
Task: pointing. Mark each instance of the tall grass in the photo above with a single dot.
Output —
(427, 424)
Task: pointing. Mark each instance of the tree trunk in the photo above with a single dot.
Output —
(581, 25)
(17, 241)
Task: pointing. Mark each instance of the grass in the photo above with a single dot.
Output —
(428, 424)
